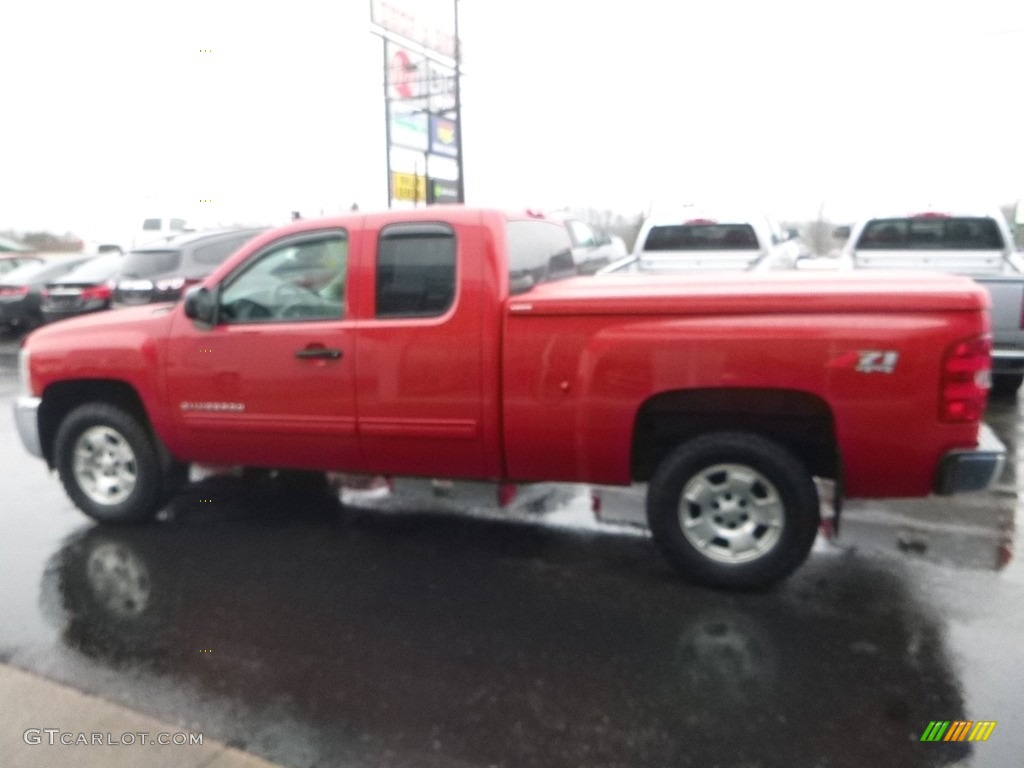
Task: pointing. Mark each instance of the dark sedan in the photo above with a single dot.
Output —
(87, 288)
(21, 290)
(11, 261)
(162, 271)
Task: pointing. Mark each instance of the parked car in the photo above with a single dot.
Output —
(156, 229)
(592, 249)
(162, 271)
(963, 240)
(698, 240)
(21, 290)
(11, 261)
(87, 288)
(150, 230)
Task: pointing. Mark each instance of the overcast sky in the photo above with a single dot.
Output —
(113, 111)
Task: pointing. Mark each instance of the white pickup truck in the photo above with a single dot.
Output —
(965, 241)
(151, 230)
(710, 239)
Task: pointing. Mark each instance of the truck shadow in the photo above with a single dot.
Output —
(440, 640)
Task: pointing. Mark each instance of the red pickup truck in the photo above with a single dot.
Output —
(456, 342)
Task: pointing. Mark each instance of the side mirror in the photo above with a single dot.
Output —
(201, 305)
(841, 233)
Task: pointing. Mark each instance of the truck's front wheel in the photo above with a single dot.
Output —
(108, 464)
(733, 509)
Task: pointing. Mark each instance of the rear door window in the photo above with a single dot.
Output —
(701, 237)
(931, 233)
(415, 270)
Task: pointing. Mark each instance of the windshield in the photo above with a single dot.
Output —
(701, 237)
(149, 263)
(931, 233)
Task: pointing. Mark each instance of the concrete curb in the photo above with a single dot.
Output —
(31, 704)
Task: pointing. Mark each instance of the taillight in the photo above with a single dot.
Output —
(96, 292)
(699, 222)
(966, 379)
(13, 290)
(930, 215)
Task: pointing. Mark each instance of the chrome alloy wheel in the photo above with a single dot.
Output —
(731, 513)
(104, 465)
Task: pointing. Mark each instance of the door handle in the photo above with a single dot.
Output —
(318, 353)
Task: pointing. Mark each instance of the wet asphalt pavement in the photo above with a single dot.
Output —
(315, 635)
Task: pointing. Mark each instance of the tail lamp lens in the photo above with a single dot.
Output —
(100, 292)
(966, 379)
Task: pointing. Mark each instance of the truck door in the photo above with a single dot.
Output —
(272, 383)
(419, 358)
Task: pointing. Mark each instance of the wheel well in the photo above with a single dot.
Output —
(800, 421)
(61, 398)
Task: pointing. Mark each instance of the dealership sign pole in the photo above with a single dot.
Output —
(422, 104)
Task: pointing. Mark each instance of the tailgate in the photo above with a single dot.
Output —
(989, 262)
(1007, 307)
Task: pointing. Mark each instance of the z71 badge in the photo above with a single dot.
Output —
(868, 361)
(872, 361)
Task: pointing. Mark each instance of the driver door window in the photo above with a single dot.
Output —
(299, 280)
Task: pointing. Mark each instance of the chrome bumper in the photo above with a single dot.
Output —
(26, 417)
(972, 469)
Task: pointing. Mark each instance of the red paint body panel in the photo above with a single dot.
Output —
(545, 385)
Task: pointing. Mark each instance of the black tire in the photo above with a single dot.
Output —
(1006, 384)
(133, 496)
(753, 516)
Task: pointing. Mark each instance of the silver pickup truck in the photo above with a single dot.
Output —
(972, 242)
(710, 239)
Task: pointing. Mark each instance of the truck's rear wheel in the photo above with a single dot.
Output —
(108, 464)
(733, 509)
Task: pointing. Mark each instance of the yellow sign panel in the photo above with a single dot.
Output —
(408, 186)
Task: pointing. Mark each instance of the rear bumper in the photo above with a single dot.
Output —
(972, 469)
(26, 417)
(1007, 359)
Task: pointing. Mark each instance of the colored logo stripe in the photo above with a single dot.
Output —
(982, 730)
(935, 731)
(958, 730)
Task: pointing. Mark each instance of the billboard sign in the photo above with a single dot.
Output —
(410, 130)
(442, 191)
(421, 98)
(408, 186)
(443, 137)
(429, 23)
(417, 82)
